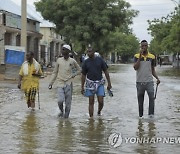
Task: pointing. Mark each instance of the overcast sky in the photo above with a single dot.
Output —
(148, 9)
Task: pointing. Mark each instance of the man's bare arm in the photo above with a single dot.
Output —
(155, 75)
(108, 79)
(83, 78)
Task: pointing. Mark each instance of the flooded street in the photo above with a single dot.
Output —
(42, 131)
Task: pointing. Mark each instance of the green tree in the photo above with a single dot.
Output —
(166, 33)
(87, 21)
(126, 45)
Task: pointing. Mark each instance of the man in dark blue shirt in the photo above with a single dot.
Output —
(92, 74)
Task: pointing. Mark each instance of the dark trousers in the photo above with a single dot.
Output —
(149, 88)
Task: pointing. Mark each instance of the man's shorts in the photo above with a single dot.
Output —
(100, 92)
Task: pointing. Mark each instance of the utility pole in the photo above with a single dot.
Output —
(24, 24)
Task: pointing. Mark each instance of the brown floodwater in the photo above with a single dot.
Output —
(42, 131)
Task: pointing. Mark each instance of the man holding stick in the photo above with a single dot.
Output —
(145, 70)
(29, 75)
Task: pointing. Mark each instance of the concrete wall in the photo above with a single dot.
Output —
(51, 45)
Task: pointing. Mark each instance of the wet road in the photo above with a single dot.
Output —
(39, 132)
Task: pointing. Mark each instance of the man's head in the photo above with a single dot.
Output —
(90, 52)
(29, 56)
(66, 50)
(144, 45)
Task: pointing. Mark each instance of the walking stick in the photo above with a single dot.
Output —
(156, 91)
(38, 100)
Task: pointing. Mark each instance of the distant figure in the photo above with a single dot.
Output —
(82, 58)
(144, 64)
(29, 79)
(97, 54)
(92, 74)
(42, 63)
(160, 61)
(64, 72)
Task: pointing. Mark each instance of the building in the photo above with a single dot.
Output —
(10, 31)
(51, 42)
(43, 41)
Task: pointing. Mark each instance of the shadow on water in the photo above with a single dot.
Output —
(30, 129)
(93, 136)
(65, 136)
(42, 132)
(146, 132)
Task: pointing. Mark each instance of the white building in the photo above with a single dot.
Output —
(51, 42)
(10, 29)
(43, 41)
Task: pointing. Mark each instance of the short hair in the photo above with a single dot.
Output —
(31, 53)
(144, 41)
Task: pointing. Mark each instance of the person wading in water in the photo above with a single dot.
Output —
(92, 69)
(29, 75)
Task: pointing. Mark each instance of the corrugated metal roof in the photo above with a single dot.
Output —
(46, 23)
(10, 6)
(43, 23)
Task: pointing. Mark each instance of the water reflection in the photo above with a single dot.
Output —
(65, 139)
(143, 135)
(42, 132)
(30, 130)
(93, 136)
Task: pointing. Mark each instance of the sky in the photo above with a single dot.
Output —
(148, 10)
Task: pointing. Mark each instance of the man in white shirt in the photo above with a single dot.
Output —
(64, 74)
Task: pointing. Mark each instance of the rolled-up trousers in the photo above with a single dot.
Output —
(65, 95)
